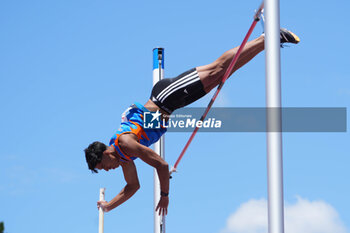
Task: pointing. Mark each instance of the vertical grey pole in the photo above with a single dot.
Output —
(158, 74)
(274, 125)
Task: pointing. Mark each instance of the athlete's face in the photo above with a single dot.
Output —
(108, 161)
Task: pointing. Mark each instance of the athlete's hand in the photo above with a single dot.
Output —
(162, 206)
(102, 205)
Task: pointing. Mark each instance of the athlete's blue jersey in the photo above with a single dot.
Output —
(132, 122)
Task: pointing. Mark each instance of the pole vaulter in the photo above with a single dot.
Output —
(132, 139)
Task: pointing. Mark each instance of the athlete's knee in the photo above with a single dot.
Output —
(216, 72)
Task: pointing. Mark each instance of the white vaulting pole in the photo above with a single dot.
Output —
(101, 214)
(158, 74)
(274, 121)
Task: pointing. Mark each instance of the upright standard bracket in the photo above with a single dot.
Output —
(100, 212)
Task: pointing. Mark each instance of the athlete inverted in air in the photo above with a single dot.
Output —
(131, 141)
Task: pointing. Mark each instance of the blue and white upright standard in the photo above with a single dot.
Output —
(158, 74)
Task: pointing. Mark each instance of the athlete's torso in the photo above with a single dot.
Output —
(133, 122)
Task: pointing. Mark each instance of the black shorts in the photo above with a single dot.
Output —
(172, 93)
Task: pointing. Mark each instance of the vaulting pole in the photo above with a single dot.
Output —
(158, 74)
(274, 121)
(225, 77)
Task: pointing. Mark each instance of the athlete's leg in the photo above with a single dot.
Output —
(174, 93)
(171, 94)
(212, 74)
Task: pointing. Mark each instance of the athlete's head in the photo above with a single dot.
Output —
(99, 156)
(93, 154)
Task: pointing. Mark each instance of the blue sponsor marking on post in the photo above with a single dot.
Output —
(156, 52)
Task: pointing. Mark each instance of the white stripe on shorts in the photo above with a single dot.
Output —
(188, 77)
(179, 87)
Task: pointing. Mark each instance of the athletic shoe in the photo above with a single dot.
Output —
(288, 37)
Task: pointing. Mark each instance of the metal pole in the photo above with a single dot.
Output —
(158, 74)
(274, 122)
(101, 214)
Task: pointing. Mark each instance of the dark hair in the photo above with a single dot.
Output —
(93, 154)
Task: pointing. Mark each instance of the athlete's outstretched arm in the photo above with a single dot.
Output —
(129, 144)
(132, 185)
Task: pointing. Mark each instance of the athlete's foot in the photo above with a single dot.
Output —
(287, 36)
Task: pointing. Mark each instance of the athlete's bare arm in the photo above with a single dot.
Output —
(129, 144)
(131, 187)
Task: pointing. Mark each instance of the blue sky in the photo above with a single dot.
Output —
(70, 68)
